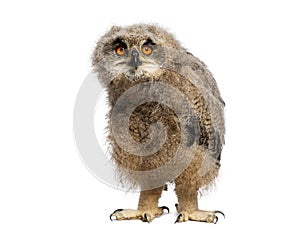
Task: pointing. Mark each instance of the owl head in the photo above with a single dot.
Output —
(132, 51)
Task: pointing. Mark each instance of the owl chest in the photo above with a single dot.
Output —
(139, 102)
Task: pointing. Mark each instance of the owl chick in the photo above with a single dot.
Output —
(166, 121)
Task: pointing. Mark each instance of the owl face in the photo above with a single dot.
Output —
(132, 51)
(134, 58)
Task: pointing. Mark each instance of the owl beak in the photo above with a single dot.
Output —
(134, 60)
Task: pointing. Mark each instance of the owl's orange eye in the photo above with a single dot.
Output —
(121, 50)
(147, 49)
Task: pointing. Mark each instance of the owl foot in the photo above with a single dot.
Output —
(145, 216)
(200, 216)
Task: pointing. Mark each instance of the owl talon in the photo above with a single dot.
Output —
(147, 218)
(165, 208)
(220, 212)
(179, 219)
(112, 214)
(182, 217)
(215, 220)
(176, 206)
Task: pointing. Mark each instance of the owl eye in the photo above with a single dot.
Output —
(121, 50)
(147, 49)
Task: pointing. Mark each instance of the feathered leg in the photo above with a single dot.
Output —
(147, 210)
(187, 187)
(188, 206)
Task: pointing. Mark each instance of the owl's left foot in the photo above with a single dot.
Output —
(200, 216)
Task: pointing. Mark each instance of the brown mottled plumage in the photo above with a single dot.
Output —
(170, 87)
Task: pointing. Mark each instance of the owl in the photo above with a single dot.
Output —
(165, 123)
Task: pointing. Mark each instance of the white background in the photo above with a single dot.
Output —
(252, 47)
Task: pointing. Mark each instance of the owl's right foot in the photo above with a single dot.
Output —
(145, 216)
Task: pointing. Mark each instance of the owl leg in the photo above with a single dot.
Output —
(188, 207)
(147, 210)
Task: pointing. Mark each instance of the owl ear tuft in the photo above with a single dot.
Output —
(150, 41)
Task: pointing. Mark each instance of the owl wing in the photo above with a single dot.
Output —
(190, 67)
(205, 75)
(197, 71)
